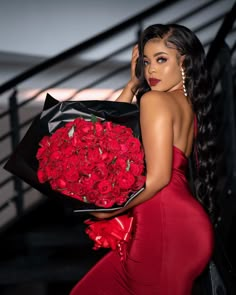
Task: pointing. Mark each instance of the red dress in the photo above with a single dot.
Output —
(171, 245)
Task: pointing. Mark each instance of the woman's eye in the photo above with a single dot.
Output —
(161, 60)
(145, 62)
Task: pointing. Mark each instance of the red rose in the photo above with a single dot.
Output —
(48, 169)
(101, 170)
(107, 157)
(112, 145)
(45, 142)
(41, 153)
(105, 202)
(108, 125)
(92, 195)
(87, 128)
(94, 155)
(71, 175)
(86, 167)
(61, 183)
(120, 164)
(54, 185)
(56, 155)
(124, 148)
(87, 182)
(133, 145)
(77, 189)
(139, 182)
(56, 172)
(68, 150)
(61, 133)
(121, 198)
(137, 157)
(75, 141)
(99, 128)
(42, 177)
(89, 138)
(136, 169)
(104, 187)
(125, 180)
(116, 190)
(43, 162)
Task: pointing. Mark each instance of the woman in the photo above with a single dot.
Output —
(173, 238)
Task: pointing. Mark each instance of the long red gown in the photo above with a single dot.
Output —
(171, 245)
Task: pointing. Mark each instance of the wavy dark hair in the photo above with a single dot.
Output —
(198, 86)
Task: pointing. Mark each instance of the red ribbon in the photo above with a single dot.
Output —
(112, 233)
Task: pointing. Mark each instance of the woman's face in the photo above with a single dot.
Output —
(162, 66)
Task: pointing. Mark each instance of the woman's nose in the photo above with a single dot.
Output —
(151, 69)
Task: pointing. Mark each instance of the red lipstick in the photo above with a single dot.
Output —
(153, 81)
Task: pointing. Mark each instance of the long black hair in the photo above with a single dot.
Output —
(198, 86)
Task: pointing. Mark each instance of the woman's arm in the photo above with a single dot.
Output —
(157, 135)
(130, 89)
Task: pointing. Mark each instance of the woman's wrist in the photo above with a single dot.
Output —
(132, 86)
(128, 92)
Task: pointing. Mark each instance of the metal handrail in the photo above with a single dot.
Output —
(71, 75)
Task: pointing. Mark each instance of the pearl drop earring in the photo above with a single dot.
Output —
(183, 78)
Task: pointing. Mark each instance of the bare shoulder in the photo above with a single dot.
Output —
(156, 101)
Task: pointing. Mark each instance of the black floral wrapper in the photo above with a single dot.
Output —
(55, 114)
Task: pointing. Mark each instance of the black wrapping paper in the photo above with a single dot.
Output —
(55, 114)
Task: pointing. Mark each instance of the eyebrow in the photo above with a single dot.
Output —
(158, 53)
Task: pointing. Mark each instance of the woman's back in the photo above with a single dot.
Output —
(183, 121)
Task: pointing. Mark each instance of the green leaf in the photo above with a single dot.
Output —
(93, 118)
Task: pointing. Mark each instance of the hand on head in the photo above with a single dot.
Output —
(134, 80)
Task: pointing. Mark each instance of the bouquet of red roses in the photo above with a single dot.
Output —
(84, 163)
(93, 161)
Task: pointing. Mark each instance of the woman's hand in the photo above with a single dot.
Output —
(134, 80)
(131, 87)
(104, 215)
